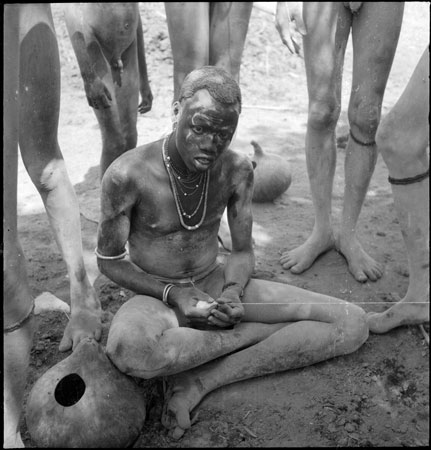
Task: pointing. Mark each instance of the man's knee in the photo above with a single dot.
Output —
(48, 176)
(136, 345)
(137, 356)
(323, 114)
(364, 118)
(353, 329)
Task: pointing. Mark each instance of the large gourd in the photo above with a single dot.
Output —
(84, 401)
(272, 175)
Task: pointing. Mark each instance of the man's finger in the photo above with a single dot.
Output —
(220, 315)
(300, 25)
(219, 323)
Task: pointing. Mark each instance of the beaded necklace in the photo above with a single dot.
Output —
(179, 182)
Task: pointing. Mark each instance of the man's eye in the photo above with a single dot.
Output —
(198, 130)
(223, 135)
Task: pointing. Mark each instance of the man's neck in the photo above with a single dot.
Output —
(175, 156)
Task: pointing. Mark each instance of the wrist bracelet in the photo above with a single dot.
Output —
(234, 283)
(166, 291)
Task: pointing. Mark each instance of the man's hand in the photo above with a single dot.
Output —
(194, 304)
(229, 310)
(98, 94)
(288, 21)
(146, 99)
(85, 323)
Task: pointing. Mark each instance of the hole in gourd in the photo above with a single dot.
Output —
(69, 390)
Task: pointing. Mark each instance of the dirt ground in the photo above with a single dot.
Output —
(377, 396)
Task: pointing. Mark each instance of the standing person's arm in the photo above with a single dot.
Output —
(288, 20)
(144, 84)
(87, 51)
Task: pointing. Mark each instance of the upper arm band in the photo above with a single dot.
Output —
(122, 256)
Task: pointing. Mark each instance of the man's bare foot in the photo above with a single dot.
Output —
(361, 265)
(407, 311)
(184, 392)
(302, 257)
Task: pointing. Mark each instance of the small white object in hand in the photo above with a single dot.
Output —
(204, 305)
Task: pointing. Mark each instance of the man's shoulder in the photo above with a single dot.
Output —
(237, 159)
(237, 163)
(132, 163)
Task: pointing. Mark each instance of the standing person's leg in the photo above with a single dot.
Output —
(17, 298)
(228, 30)
(310, 328)
(188, 26)
(39, 102)
(328, 25)
(403, 138)
(127, 96)
(375, 33)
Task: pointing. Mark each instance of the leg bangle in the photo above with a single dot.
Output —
(365, 144)
(409, 180)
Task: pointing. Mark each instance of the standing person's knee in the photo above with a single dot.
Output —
(364, 118)
(323, 114)
(399, 148)
(47, 177)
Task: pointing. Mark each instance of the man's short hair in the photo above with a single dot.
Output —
(221, 86)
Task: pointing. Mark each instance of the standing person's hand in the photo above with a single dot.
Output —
(288, 21)
(98, 94)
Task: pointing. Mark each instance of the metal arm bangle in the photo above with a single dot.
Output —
(123, 255)
(234, 283)
(166, 290)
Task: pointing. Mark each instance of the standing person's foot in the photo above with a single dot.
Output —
(303, 257)
(361, 265)
(408, 311)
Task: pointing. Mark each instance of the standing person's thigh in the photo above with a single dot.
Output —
(188, 26)
(228, 30)
(39, 89)
(375, 33)
(328, 28)
(403, 134)
(273, 302)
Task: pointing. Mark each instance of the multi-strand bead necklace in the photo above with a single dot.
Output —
(186, 185)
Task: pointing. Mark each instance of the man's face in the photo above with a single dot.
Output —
(205, 129)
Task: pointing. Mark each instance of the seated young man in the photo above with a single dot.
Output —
(166, 200)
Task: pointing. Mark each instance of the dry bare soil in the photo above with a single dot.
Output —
(377, 396)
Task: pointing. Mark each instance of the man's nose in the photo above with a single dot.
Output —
(208, 142)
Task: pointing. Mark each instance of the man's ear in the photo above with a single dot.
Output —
(175, 109)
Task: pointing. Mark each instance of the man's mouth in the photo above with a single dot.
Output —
(204, 161)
